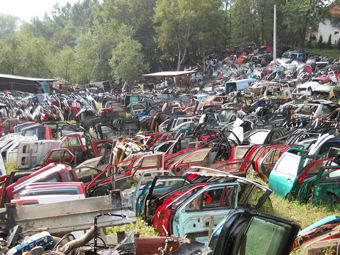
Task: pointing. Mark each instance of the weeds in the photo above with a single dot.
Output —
(303, 214)
(140, 226)
(10, 168)
(99, 106)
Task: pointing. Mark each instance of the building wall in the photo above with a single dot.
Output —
(326, 29)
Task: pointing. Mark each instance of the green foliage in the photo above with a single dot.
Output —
(127, 60)
(10, 55)
(8, 25)
(310, 42)
(140, 226)
(300, 15)
(182, 23)
(63, 63)
(77, 41)
(338, 45)
(320, 42)
(11, 168)
(137, 14)
(329, 43)
(84, 59)
(34, 57)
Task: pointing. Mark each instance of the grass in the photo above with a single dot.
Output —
(99, 106)
(331, 53)
(10, 168)
(334, 53)
(303, 214)
(140, 226)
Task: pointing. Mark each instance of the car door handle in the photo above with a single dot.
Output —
(289, 180)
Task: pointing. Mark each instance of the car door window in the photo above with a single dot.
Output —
(326, 109)
(314, 168)
(72, 141)
(333, 176)
(274, 233)
(198, 156)
(166, 185)
(240, 151)
(306, 161)
(288, 165)
(152, 161)
(59, 155)
(215, 198)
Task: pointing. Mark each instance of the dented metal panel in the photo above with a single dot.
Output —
(62, 217)
(30, 153)
(11, 155)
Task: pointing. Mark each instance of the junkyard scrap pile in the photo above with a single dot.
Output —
(177, 156)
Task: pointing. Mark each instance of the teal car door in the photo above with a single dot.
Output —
(285, 173)
(145, 178)
(200, 213)
(327, 186)
(141, 198)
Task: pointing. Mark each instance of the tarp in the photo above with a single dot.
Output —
(169, 73)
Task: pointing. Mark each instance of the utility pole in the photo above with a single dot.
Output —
(274, 39)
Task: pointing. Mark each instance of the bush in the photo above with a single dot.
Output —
(329, 43)
(320, 44)
(309, 45)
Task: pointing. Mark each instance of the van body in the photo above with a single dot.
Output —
(238, 85)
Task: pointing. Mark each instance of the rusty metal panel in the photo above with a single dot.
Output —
(67, 216)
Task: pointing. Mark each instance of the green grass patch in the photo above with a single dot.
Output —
(99, 106)
(11, 168)
(303, 214)
(334, 53)
(140, 226)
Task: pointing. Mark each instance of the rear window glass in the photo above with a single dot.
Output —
(288, 165)
(274, 233)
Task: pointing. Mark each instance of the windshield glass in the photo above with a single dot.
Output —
(225, 115)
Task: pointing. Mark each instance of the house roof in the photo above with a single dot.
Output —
(334, 9)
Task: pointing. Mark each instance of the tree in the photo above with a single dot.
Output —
(81, 13)
(34, 57)
(310, 42)
(63, 63)
(320, 42)
(84, 59)
(8, 25)
(300, 15)
(180, 22)
(329, 43)
(137, 14)
(10, 55)
(63, 37)
(127, 61)
(104, 45)
(245, 23)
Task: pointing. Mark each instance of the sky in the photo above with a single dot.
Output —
(27, 9)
